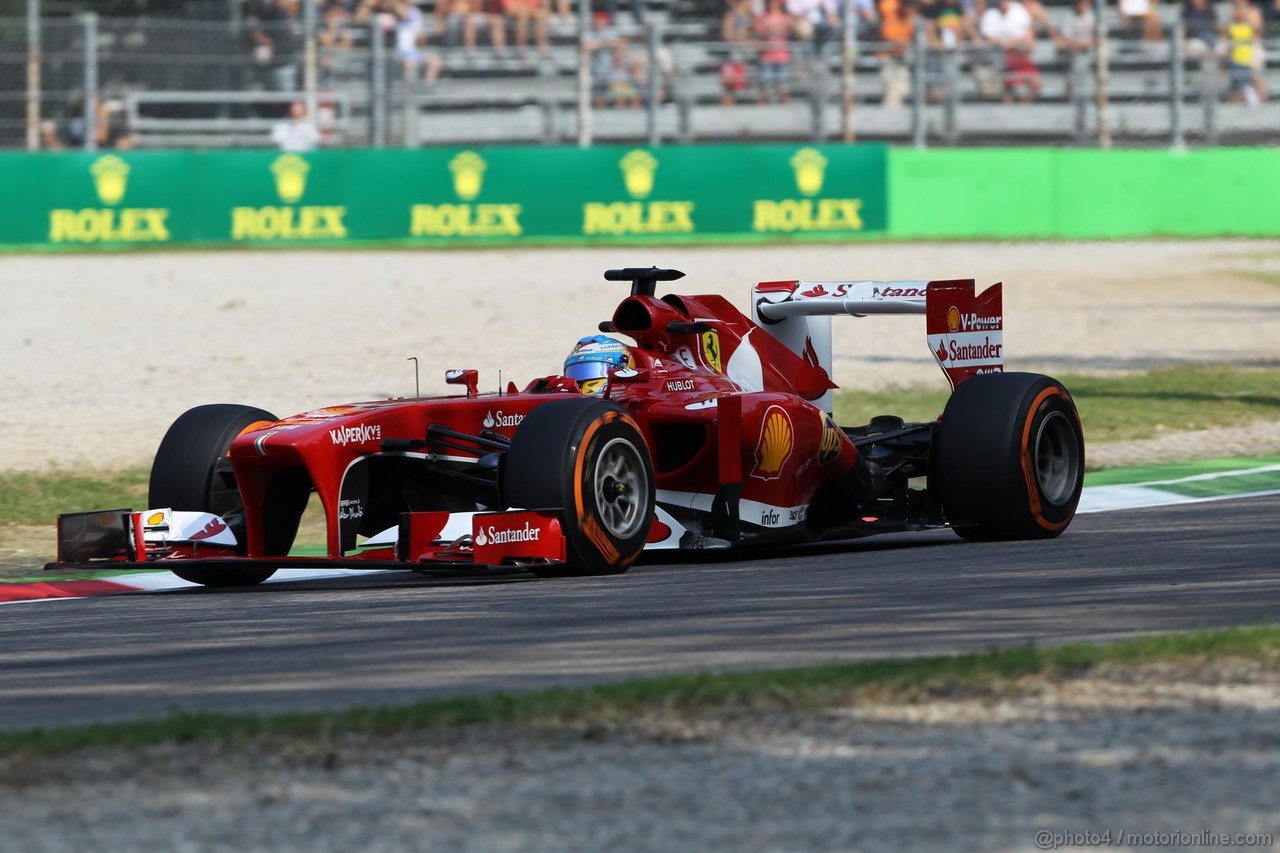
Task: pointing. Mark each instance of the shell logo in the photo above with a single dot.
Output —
(290, 171)
(155, 518)
(829, 447)
(468, 174)
(810, 168)
(637, 172)
(110, 178)
(953, 319)
(777, 439)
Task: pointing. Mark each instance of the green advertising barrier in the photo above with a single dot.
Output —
(618, 194)
(1081, 193)
(441, 196)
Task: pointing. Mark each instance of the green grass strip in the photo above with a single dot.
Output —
(1114, 408)
(1240, 484)
(795, 689)
(1158, 473)
(37, 497)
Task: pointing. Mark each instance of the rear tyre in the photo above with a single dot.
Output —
(1009, 458)
(587, 459)
(191, 472)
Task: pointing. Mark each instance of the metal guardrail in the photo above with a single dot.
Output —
(232, 117)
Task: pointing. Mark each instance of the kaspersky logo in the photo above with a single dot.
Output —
(639, 177)
(289, 174)
(110, 176)
(809, 168)
(465, 219)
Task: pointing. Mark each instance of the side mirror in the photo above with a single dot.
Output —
(469, 378)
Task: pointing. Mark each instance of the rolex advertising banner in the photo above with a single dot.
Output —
(435, 196)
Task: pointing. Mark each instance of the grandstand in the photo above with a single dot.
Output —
(190, 78)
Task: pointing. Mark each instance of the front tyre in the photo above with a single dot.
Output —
(587, 459)
(1009, 458)
(191, 472)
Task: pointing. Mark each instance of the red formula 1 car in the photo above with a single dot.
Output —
(715, 432)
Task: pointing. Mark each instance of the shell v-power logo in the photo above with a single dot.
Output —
(463, 218)
(289, 221)
(640, 215)
(109, 223)
(810, 213)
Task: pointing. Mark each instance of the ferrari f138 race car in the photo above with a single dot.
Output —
(713, 430)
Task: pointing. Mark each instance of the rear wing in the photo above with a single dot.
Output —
(964, 330)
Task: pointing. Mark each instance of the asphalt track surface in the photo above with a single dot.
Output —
(393, 638)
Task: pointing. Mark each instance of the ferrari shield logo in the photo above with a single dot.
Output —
(711, 351)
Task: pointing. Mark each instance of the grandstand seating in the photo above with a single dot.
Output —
(192, 84)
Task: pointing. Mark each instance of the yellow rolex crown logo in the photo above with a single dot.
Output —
(291, 177)
(810, 167)
(468, 174)
(637, 171)
(110, 178)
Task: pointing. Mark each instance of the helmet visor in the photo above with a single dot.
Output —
(584, 370)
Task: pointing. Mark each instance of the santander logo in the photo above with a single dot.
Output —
(491, 534)
(499, 419)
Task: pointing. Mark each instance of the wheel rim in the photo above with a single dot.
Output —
(1057, 458)
(620, 488)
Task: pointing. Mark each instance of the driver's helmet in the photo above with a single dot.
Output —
(592, 360)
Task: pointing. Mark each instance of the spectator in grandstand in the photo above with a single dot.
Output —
(947, 26)
(1074, 39)
(1260, 48)
(736, 32)
(297, 133)
(666, 73)
(816, 20)
(1008, 26)
(865, 18)
(735, 26)
(735, 79)
(276, 33)
(1200, 23)
(1242, 32)
(897, 26)
(110, 124)
(411, 41)
(1140, 18)
(49, 139)
(464, 18)
(336, 35)
(773, 28)
(623, 90)
(526, 13)
(599, 46)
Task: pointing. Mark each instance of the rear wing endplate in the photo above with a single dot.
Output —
(965, 330)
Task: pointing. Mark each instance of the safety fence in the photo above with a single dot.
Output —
(94, 82)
